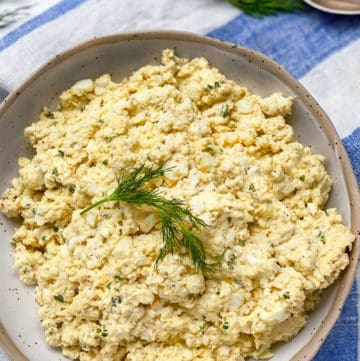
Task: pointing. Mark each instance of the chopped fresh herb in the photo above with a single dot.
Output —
(56, 228)
(101, 120)
(231, 260)
(54, 171)
(229, 219)
(105, 162)
(72, 189)
(59, 298)
(115, 300)
(208, 149)
(61, 153)
(251, 187)
(242, 242)
(50, 115)
(108, 286)
(225, 325)
(286, 296)
(321, 235)
(209, 88)
(43, 238)
(177, 223)
(203, 325)
(118, 278)
(302, 178)
(217, 84)
(33, 210)
(224, 112)
(104, 333)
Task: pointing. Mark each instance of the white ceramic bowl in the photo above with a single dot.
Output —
(340, 7)
(20, 331)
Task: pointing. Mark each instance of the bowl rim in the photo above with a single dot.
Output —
(308, 351)
(330, 10)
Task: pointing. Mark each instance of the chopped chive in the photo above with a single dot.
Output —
(105, 162)
(59, 325)
(59, 298)
(251, 187)
(118, 278)
(208, 149)
(224, 111)
(225, 325)
(72, 189)
(54, 171)
(115, 300)
(286, 296)
(56, 228)
(108, 286)
(50, 115)
(61, 153)
(302, 178)
(217, 84)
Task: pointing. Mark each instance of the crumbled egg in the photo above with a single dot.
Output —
(234, 161)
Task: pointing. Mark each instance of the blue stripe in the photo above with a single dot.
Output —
(343, 338)
(352, 145)
(297, 41)
(47, 16)
(342, 342)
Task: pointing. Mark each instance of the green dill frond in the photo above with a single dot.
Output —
(177, 221)
(195, 247)
(260, 8)
(9, 16)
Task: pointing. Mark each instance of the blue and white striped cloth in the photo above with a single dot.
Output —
(321, 50)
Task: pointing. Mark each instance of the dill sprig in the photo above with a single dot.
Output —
(260, 8)
(9, 16)
(178, 224)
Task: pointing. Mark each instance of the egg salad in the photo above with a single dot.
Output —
(232, 159)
